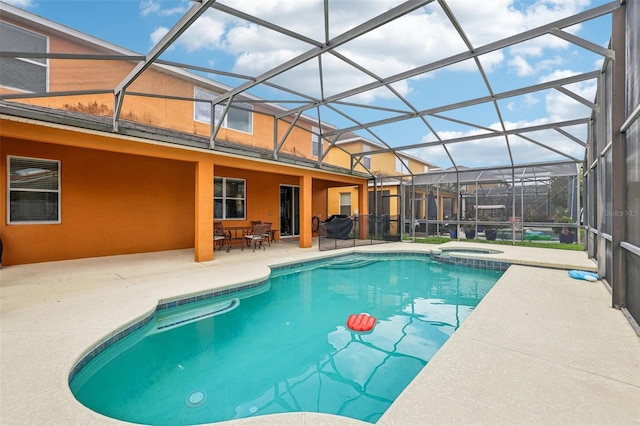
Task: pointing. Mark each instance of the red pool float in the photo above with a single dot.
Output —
(361, 322)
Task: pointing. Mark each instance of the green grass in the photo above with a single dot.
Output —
(557, 246)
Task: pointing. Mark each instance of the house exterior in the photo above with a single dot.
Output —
(76, 182)
(391, 175)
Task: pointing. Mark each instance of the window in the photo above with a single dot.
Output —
(34, 190)
(366, 160)
(345, 203)
(229, 198)
(240, 118)
(400, 167)
(28, 74)
(315, 141)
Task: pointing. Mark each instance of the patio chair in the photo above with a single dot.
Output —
(220, 236)
(257, 236)
(268, 234)
(248, 232)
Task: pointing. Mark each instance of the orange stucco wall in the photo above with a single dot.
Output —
(340, 158)
(111, 203)
(320, 199)
(121, 195)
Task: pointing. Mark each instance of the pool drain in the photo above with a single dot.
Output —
(253, 410)
(196, 399)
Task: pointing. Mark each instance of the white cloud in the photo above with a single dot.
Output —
(530, 99)
(422, 37)
(157, 34)
(206, 34)
(598, 63)
(248, 39)
(561, 107)
(556, 75)
(485, 21)
(23, 4)
(549, 63)
(149, 7)
(493, 150)
(521, 66)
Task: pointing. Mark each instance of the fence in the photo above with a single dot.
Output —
(350, 231)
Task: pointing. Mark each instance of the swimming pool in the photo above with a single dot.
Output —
(284, 347)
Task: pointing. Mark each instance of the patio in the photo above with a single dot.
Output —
(541, 348)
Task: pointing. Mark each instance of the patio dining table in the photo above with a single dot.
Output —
(238, 232)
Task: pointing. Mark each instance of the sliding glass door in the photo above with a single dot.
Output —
(289, 211)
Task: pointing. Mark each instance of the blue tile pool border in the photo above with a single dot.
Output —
(311, 262)
(212, 295)
(494, 265)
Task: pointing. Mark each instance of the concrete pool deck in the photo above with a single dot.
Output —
(540, 349)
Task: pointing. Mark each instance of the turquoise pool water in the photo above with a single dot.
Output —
(287, 348)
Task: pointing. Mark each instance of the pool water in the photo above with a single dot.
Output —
(288, 348)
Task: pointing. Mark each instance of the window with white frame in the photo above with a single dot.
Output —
(229, 198)
(400, 167)
(27, 74)
(345, 203)
(239, 117)
(315, 141)
(34, 190)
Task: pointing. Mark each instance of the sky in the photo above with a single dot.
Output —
(220, 41)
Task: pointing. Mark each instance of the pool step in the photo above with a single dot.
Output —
(351, 262)
(178, 317)
(341, 262)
